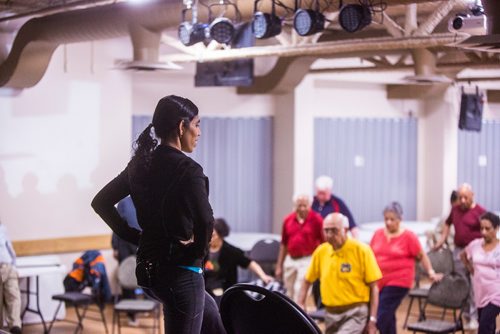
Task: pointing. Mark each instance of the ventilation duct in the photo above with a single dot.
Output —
(425, 69)
(38, 38)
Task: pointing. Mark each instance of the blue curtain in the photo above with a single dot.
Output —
(236, 155)
(372, 162)
(479, 163)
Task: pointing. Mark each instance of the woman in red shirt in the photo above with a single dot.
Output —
(396, 250)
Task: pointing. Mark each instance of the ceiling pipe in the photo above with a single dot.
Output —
(425, 62)
(38, 38)
(59, 8)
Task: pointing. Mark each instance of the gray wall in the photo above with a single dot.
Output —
(236, 155)
(479, 163)
(372, 162)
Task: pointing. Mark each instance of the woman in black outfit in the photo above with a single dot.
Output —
(221, 269)
(170, 193)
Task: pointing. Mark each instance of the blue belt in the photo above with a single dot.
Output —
(197, 270)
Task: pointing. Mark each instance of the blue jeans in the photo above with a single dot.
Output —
(389, 299)
(187, 308)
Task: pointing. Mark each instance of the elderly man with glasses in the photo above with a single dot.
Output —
(349, 273)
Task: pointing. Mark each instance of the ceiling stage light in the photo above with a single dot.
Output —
(265, 25)
(354, 17)
(222, 30)
(190, 34)
(307, 22)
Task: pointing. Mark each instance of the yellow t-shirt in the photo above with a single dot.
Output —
(345, 273)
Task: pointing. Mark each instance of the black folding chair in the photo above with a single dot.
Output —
(265, 253)
(442, 262)
(449, 294)
(82, 303)
(251, 309)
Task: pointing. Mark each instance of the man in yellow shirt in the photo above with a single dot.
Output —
(349, 273)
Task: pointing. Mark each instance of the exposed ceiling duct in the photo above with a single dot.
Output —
(39, 37)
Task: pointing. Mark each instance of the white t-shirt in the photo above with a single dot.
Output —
(486, 278)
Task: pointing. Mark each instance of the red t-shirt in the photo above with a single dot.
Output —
(302, 239)
(396, 258)
(467, 224)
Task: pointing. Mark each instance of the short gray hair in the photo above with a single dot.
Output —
(324, 183)
(394, 207)
(296, 197)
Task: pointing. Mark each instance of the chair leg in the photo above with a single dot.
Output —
(101, 310)
(408, 313)
(55, 317)
(114, 322)
(119, 322)
(421, 311)
(156, 320)
(80, 317)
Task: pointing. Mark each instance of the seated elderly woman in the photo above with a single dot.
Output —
(221, 269)
(396, 250)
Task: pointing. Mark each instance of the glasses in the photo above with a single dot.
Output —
(331, 230)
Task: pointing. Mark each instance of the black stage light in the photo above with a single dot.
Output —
(222, 30)
(354, 17)
(265, 25)
(307, 22)
(190, 34)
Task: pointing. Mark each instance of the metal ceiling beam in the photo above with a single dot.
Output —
(440, 67)
(319, 49)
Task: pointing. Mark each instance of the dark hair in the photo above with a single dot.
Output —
(492, 218)
(221, 227)
(169, 111)
(453, 196)
(394, 207)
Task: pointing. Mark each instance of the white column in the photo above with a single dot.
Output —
(437, 154)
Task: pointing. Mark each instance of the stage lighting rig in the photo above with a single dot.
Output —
(307, 21)
(190, 33)
(354, 17)
(222, 29)
(265, 25)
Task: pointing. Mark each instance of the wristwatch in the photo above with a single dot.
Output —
(373, 319)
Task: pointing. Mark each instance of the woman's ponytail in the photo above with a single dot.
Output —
(144, 146)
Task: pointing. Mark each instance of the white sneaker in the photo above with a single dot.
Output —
(472, 325)
(133, 323)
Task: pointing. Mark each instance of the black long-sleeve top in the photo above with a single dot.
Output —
(230, 258)
(171, 199)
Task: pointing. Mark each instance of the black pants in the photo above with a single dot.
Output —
(487, 318)
(187, 308)
(389, 299)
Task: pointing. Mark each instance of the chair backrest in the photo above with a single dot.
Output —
(451, 292)
(250, 309)
(442, 260)
(265, 253)
(126, 273)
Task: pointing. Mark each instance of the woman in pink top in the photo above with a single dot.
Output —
(396, 250)
(482, 259)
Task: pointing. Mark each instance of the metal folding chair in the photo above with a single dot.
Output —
(82, 303)
(140, 307)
